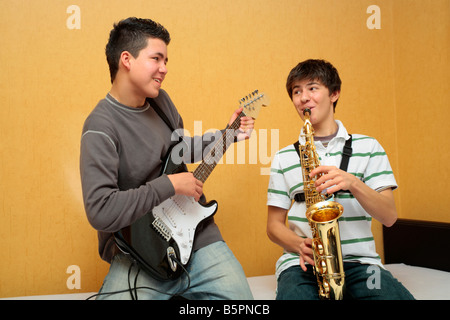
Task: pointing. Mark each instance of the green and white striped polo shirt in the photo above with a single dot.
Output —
(369, 163)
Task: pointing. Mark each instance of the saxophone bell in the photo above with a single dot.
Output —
(329, 268)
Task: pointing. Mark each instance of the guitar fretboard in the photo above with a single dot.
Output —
(210, 160)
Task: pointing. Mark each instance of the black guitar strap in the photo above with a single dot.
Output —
(346, 154)
(160, 113)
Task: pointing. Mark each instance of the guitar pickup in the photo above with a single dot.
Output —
(162, 229)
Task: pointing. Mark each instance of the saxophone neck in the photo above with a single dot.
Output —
(308, 130)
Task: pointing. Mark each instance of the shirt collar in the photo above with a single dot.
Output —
(342, 133)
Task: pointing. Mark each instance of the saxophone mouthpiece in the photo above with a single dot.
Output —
(307, 110)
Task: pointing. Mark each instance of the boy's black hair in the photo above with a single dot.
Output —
(315, 69)
(131, 35)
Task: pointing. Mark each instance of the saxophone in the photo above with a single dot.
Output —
(322, 215)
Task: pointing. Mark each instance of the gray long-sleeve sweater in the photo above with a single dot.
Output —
(120, 164)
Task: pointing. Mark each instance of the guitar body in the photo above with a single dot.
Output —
(170, 228)
(177, 219)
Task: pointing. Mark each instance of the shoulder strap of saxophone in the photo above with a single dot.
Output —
(346, 154)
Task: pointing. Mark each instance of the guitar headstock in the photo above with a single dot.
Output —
(253, 102)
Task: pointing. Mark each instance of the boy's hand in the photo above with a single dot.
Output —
(186, 184)
(246, 126)
(333, 179)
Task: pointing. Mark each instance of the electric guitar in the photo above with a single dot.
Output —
(164, 238)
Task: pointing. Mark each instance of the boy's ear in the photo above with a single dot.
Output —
(125, 58)
(335, 96)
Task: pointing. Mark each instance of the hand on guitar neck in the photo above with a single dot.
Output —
(246, 125)
(186, 184)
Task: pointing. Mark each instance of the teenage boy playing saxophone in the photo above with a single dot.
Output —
(366, 193)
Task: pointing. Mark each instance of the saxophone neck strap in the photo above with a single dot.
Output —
(346, 154)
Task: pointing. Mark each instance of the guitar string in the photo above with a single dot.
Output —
(208, 164)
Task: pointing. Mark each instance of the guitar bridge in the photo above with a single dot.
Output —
(162, 229)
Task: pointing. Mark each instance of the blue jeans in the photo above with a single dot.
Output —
(214, 272)
(362, 282)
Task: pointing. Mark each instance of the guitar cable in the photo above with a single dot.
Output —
(135, 287)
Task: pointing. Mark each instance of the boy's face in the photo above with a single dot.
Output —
(314, 95)
(148, 70)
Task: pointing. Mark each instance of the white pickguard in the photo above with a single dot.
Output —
(177, 218)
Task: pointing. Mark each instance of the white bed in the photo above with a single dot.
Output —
(423, 283)
(416, 253)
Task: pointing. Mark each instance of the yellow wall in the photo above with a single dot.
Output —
(422, 94)
(395, 88)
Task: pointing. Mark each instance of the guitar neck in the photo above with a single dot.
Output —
(211, 159)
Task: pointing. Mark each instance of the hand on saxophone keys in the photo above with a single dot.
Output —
(332, 179)
(306, 253)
